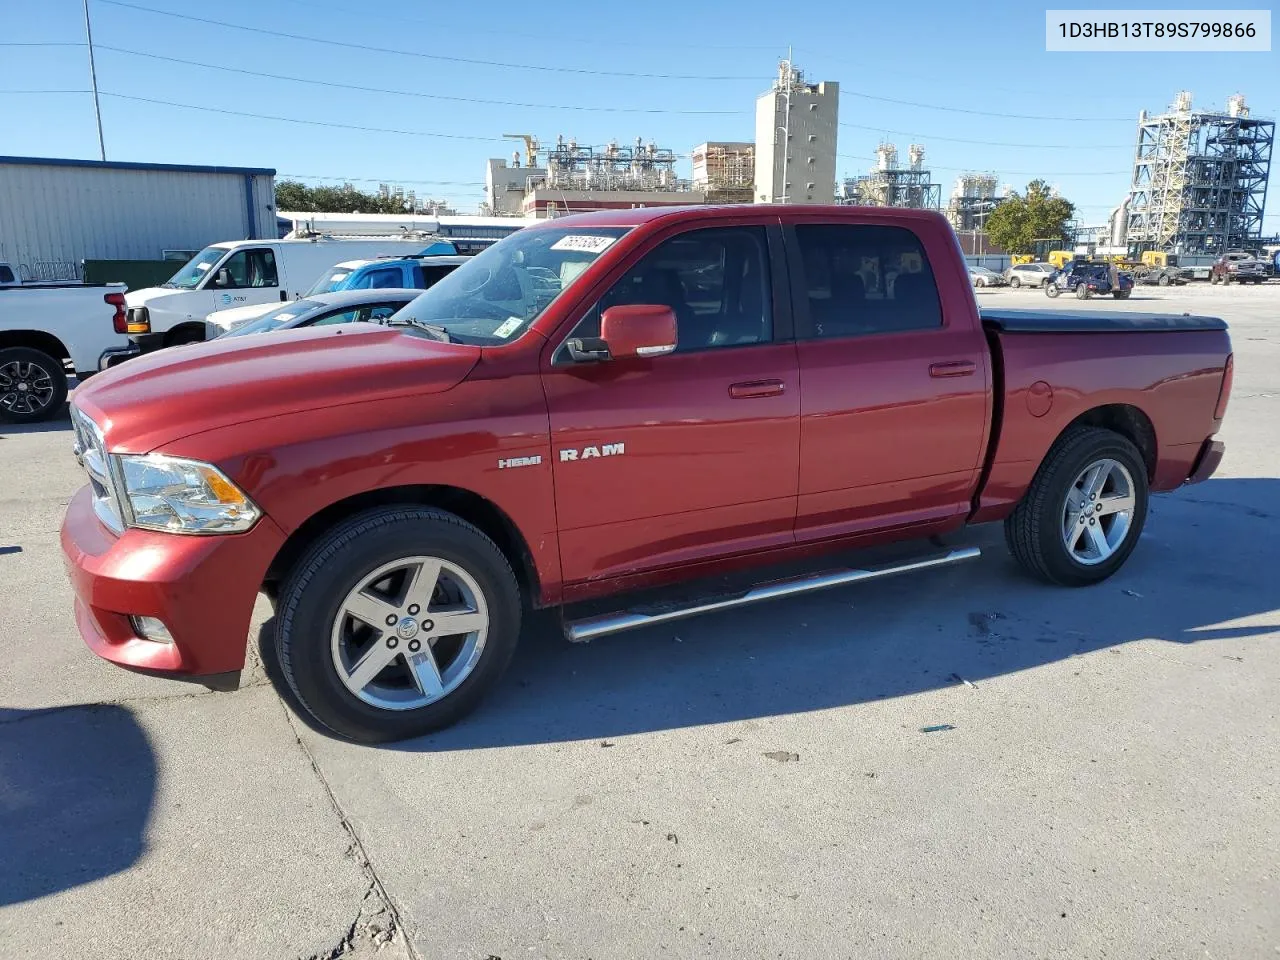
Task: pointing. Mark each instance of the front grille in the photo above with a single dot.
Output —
(91, 451)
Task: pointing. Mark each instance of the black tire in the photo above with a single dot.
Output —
(1082, 292)
(1163, 281)
(1051, 290)
(1033, 532)
(1015, 283)
(30, 369)
(312, 594)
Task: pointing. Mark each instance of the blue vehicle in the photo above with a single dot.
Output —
(417, 272)
(1085, 279)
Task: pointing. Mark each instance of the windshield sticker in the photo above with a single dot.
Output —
(202, 266)
(282, 317)
(583, 243)
(508, 327)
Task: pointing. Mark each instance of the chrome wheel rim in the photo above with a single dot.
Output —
(409, 633)
(1098, 513)
(25, 387)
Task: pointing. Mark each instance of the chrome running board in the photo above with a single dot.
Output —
(589, 629)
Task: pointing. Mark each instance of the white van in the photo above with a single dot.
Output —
(240, 273)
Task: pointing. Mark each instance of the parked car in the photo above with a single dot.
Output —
(602, 403)
(1238, 267)
(244, 273)
(419, 272)
(1029, 274)
(986, 277)
(1086, 279)
(46, 328)
(1164, 276)
(321, 310)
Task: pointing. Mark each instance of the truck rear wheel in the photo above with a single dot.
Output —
(1051, 290)
(1085, 509)
(396, 623)
(33, 385)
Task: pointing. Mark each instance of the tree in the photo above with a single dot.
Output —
(292, 195)
(1039, 214)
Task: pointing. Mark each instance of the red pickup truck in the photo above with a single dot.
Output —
(604, 403)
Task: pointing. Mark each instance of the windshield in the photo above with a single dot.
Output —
(275, 319)
(196, 269)
(495, 296)
(329, 281)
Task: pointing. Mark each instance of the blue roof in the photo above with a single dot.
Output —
(121, 165)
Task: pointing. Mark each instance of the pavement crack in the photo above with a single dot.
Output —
(377, 922)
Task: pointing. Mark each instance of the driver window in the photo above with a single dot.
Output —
(715, 280)
(342, 316)
(249, 268)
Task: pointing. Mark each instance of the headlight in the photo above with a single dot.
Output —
(183, 496)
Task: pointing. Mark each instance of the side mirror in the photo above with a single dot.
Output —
(639, 330)
(222, 278)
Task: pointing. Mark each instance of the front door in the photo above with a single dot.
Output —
(669, 459)
(896, 385)
(247, 277)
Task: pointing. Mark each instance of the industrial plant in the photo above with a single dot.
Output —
(890, 184)
(1198, 186)
(1199, 179)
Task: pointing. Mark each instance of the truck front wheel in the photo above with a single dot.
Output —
(33, 385)
(396, 623)
(1084, 511)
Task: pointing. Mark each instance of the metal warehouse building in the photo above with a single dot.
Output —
(54, 214)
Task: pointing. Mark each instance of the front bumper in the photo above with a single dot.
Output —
(202, 587)
(1207, 461)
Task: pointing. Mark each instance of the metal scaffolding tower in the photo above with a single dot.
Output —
(889, 185)
(1199, 179)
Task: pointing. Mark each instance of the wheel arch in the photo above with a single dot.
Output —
(482, 513)
(175, 335)
(35, 340)
(1125, 419)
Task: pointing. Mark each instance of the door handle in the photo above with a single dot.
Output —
(953, 368)
(756, 388)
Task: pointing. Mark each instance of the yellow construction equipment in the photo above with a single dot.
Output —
(530, 147)
(1060, 257)
(1018, 258)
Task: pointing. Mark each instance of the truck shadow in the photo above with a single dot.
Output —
(1208, 557)
(76, 789)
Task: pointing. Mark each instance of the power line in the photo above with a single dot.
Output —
(424, 56)
(412, 93)
(989, 143)
(982, 113)
(395, 180)
(542, 38)
(1015, 173)
(310, 123)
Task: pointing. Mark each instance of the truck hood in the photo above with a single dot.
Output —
(158, 398)
(230, 319)
(151, 296)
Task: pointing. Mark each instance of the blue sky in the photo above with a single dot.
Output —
(942, 57)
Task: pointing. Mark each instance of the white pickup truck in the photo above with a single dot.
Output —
(49, 330)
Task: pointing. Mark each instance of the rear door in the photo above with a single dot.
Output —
(895, 381)
(670, 459)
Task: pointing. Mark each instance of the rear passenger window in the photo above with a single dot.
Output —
(428, 277)
(863, 279)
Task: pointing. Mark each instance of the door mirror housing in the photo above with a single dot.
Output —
(222, 278)
(638, 330)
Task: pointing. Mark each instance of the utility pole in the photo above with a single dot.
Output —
(786, 128)
(93, 79)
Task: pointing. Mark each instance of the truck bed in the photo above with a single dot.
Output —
(1084, 321)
